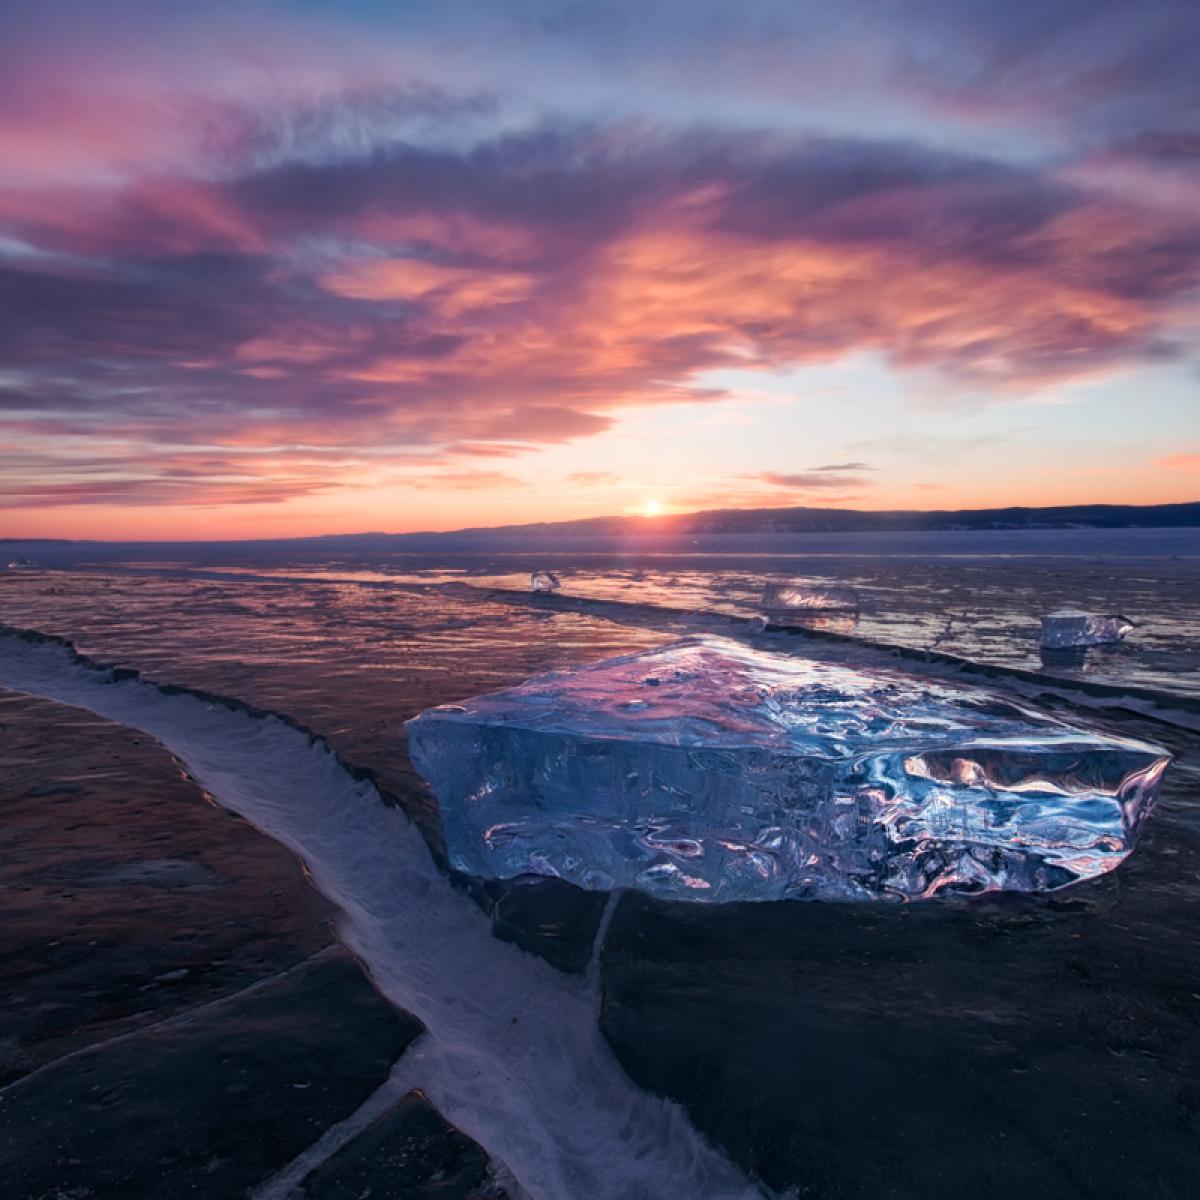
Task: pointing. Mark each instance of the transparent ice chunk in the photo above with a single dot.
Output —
(708, 770)
(1066, 629)
(544, 581)
(784, 602)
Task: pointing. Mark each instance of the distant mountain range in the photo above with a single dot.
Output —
(736, 523)
(849, 520)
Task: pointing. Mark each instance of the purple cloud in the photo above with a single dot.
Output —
(423, 273)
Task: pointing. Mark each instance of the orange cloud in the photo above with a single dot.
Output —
(452, 291)
(594, 478)
(449, 305)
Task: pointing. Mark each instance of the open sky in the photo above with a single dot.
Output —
(280, 267)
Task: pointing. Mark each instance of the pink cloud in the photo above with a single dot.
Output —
(528, 290)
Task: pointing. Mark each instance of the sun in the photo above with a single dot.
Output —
(651, 507)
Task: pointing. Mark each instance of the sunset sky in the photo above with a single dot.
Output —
(281, 268)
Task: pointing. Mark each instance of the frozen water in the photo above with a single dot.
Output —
(711, 771)
(782, 601)
(512, 1052)
(544, 581)
(1065, 629)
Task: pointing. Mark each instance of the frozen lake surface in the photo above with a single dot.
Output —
(979, 596)
(1011, 1039)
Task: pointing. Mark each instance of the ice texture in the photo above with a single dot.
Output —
(707, 770)
(1066, 629)
(782, 601)
(544, 581)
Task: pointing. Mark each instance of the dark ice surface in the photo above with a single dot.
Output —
(1040, 1046)
(175, 1019)
(407, 1154)
(125, 897)
(208, 1105)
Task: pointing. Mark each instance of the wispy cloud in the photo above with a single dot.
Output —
(594, 478)
(819, 479)
(1179, 462)
(469, 480)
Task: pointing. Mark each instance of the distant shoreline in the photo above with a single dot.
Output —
(1164, 543)
(758, 523)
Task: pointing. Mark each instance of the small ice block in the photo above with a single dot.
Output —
(784, 602)
(709, 770)
(1067, 629)
(544, 581)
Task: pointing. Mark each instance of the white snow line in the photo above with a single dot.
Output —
(593, 970)
(513, 1055)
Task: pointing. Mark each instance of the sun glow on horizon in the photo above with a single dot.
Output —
(652, 506)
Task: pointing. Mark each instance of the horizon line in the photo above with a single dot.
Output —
(635, 519)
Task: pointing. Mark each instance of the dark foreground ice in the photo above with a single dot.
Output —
(707, 770)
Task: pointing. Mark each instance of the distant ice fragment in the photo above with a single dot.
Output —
(783, 603)
(544, 581)
(1066, 629)
(708, 770)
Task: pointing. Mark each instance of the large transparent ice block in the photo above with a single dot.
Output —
(708, 770)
